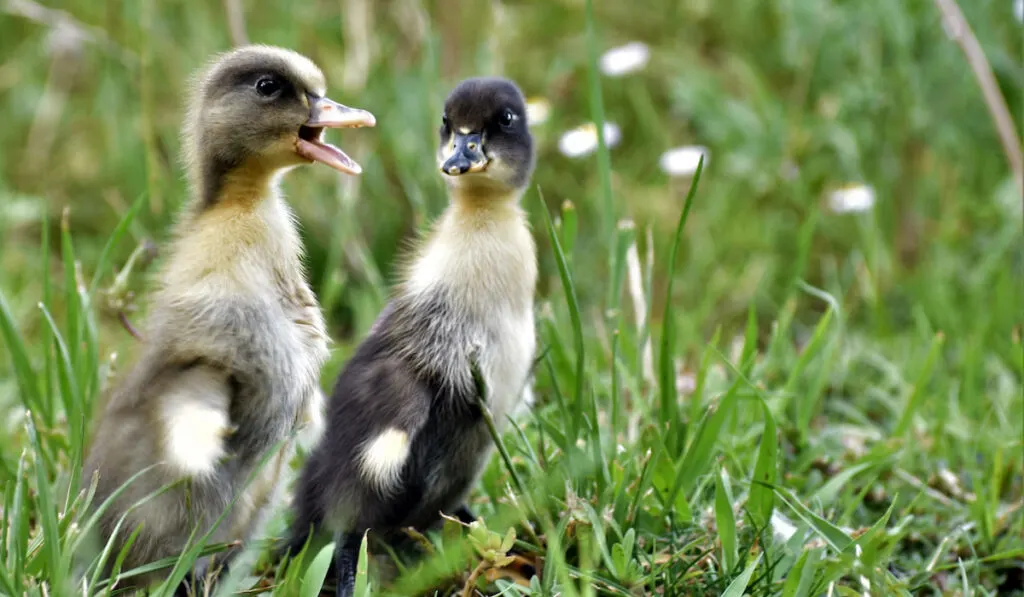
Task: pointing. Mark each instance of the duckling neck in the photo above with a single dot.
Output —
(247, 233)
(480, 254)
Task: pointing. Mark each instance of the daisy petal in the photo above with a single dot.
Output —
(625, 59)
(851, 199)
(682, 161)
(582, 140)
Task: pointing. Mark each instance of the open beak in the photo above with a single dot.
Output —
(328, 114)
(467, 156)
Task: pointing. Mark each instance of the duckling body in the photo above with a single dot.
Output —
(234, 339)
(405, 437)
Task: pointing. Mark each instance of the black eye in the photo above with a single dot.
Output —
(444, 121)
(268, 86)
(506, 118)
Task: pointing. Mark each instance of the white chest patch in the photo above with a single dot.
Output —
(484, 264)
(507, 349)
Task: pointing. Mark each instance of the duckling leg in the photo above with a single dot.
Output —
(464, 514)
(202, 579)
(346, 557)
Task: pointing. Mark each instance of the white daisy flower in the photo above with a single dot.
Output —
(537, 110)
(626, 59)
(682, 161)
(582, 140)
(851, 199)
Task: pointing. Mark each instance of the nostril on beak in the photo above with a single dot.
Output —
(471, 146)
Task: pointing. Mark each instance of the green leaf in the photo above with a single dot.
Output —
(73, 314)
(666, 366)
(362, 570)
(698, 456)
(739, 584)
(572, 302)
(17, 518)
(746, 364)
(832, 534)
(813, 348)
(917, 395)
(625, 237)
(316, 573)
(604, 164)
(761, 500)
(568, 226)
(115, 237)
(23, 370)
(725, 520)
(46, 516)
(800, 579)
(827, 493)
(65, 372)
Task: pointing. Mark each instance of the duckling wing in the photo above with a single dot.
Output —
(193, 419)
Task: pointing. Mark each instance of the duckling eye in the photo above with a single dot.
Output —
(268, 86)
(506, 118)
(444, 121)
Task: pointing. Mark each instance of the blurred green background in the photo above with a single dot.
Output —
(794, 99)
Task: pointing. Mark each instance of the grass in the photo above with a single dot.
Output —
(763, 397)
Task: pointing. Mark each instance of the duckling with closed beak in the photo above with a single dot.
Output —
(235, 339)
(405, 438)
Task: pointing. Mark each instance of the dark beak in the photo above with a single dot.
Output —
(327, 114)
(467, 156)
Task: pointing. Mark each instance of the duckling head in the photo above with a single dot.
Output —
(485, 146)
(261, 109)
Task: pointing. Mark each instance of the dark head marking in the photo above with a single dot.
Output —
(484, 142)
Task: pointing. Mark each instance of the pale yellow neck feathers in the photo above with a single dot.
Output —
(248, 234)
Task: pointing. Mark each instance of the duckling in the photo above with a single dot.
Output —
(234, 342)
(405, 438)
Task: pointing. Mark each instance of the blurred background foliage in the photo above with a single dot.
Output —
(792, 98)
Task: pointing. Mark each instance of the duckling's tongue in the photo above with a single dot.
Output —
(327, 154)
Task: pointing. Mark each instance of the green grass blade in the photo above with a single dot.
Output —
(832, 534)
(115, 237)
(625, 236)
(23, 370)
(17, 519)
(761, 500)
(739, 585)
(604, 165)
(65, 371)
(666, 365)
(316, 573)
(800, 579)
(698, 456)
(72, 306)
(572, 302)
(811, 349)
(827, 493)
(918, 394)
(568, 225)
(362, 588)
(46, 516)
(725, 521)
(49, 414)
(115, 570)
(746, 364)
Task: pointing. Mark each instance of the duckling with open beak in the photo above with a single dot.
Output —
(228, 372)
